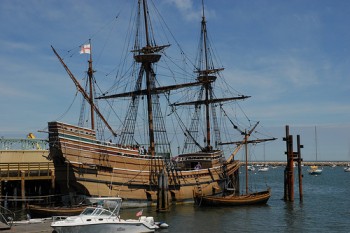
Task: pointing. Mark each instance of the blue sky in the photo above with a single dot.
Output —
(292, 57)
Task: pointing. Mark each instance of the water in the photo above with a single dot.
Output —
(326, 208)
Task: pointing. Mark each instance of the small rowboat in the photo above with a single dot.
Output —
(257, 198)
(48, 211)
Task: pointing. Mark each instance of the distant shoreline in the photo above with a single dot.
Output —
(305, 163)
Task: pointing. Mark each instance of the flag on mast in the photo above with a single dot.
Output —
(86, 48)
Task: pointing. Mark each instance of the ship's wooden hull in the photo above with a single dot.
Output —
(86, 166)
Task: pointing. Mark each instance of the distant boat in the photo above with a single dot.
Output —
(251, 168)
(314, 170)
(264, 169)
(347, 168)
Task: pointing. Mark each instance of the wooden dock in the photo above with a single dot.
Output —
(25, 168)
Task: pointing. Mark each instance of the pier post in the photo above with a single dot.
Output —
(289, 170)
(52, 191)
(300, 175)
(162, 194)
(237, 184)
(23, 188)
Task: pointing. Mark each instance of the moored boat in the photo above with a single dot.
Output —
(347, 168)
(250, 168)
(255, 198)
(102, 218)
(49, 211)
(235, 198)
(264, 169)
(315, 170)
(126, 173)
(140, 166)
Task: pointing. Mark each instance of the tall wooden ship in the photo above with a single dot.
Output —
(141, 168)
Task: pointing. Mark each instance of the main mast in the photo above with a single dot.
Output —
(147, 56)
(147, 59)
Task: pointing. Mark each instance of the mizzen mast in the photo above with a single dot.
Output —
(207, 72)
(206, 78)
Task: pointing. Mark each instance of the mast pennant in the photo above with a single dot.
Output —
(86, 48)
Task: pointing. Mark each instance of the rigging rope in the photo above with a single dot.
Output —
(60, 117)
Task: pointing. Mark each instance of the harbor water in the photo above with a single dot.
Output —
(326, 207)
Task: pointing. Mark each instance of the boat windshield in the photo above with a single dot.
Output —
(88, 211)
(96, 211)
(106, 213)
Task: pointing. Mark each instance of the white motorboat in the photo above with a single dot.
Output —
(347, 168)
(103, 218)
(264, 169)
(314, 170)
(250, 168)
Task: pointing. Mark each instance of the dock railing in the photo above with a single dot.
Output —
(36, 170)
(23, 144)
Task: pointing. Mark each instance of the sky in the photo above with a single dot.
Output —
(292, 57)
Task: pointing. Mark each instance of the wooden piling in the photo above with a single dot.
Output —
(162, 194)
(289, 170)
(290, 167)
(300, 175)
(23, 187)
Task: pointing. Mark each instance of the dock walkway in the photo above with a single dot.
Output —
(44, 227)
